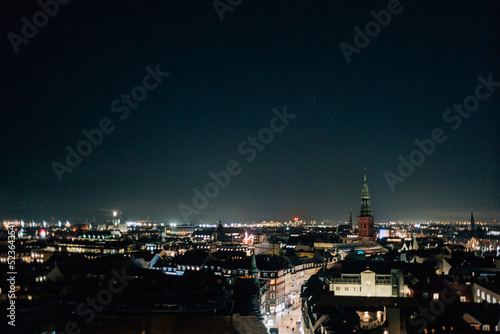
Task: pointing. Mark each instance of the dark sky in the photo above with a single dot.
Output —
(225, 79)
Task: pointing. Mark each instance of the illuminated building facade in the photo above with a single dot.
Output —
(366, 224)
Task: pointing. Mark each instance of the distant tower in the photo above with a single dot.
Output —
(365, 219)
(351, 223)
(253, 272)
(472, 222)
(218, 231)
(415, 243)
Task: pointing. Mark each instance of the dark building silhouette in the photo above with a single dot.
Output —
(218, 232)
(365, 219)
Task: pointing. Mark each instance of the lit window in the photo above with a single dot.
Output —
(435, 296)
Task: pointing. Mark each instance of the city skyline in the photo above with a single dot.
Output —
(268, 103)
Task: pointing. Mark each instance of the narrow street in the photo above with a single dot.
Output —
(286, 321)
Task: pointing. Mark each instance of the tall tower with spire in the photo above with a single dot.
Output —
(472, 222)
(351, 223)
(366, 224)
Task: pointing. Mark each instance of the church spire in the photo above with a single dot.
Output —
(366, 210)
(366, 224)
(253, 271)
(351, 223)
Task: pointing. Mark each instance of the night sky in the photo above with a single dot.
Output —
(225, 78)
